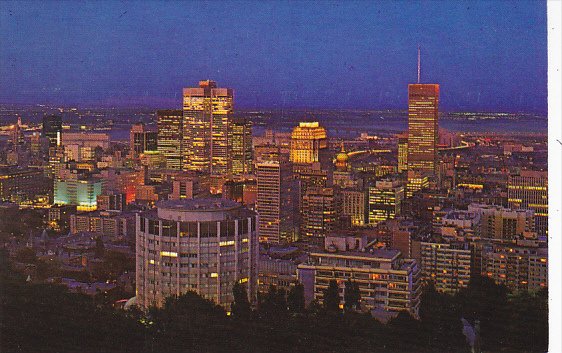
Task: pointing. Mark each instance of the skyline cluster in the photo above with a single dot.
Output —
(486, 55)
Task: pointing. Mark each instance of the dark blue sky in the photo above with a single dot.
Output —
(488, 55)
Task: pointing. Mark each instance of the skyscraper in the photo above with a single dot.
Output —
(318, 212)
(308, 142)
(141, 139)
(240, 146)
(170, 137)
(423, 128)
(52, 129)
(275, 202)
(207, 110)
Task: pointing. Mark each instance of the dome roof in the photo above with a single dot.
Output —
(342, 157)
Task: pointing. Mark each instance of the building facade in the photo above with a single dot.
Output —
(202, 245)
(170, 137)
(529, 190)
(308, 142)
(385, 200)
(207, 112)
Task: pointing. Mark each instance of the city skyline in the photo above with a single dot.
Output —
(148, 65)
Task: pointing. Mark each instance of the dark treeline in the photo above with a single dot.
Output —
(47, 318)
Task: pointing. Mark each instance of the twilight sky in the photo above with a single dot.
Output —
(486, 55)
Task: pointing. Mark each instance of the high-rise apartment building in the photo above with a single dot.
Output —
(207, 111)
(276, 202)
(423, 131)
(385, 200)
(308, 143)
(386, 280)
(170, 137)
(529, 190)
(52, 129)
(200, 245)
(240, 146)
(446, 265)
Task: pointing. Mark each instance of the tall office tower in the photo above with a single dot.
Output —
(423, 131)
(276, 202)
(200, 245)
(353, 206)
(52, 129)
(207, 112)
(402, 153)
(17, 137)
(308, 143)
(142, 139)
(170, 137)
(385, 200)
(529, 190)
(318, 212)
(240, 146)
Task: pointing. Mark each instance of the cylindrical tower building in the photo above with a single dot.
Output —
(200, 245)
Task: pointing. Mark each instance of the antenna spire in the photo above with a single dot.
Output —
(419, 63)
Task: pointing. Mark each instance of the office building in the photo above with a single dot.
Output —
(240, 146)
(23, 184)
(276, 204)
(52, 129)
(141, 139)
(318, 212)
(207, 111)
(80, 192)
(200, 245)
(353, 206)
(423, 134)
(308, 143)
(170, 137)
(385, 200)
(529, 190)
(402, 153)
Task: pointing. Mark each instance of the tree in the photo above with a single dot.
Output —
(332, 297)
(352, 296)
(27, 256)
(295, 298)
(241, 306)
(274, 304)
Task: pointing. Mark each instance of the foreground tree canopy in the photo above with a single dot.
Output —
(47, 318)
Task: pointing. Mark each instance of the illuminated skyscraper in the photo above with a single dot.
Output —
(275, 202)
(207, 111)
(529, 190)
(423, 132)
(240, 142)
(308, 142)
(170, 137)
(52, 129)
(423, 135)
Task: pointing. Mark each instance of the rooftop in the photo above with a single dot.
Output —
(203, 204)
